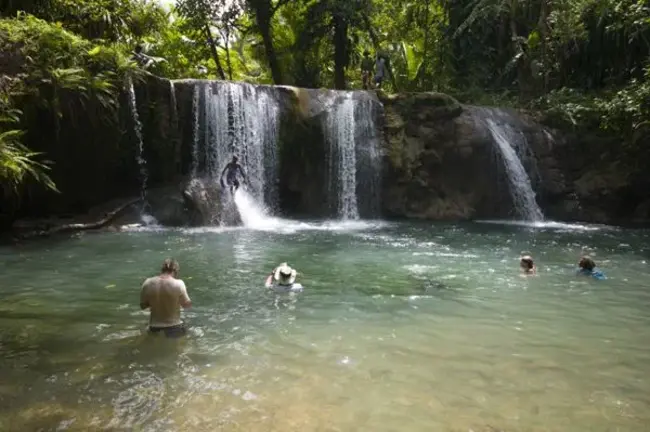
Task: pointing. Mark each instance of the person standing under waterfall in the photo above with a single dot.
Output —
(231, 170)
(367, 67)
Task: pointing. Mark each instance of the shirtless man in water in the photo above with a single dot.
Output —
(164, 295)
(231, 170)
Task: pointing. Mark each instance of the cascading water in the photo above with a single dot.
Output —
(521, 190)
(354, 156)
(137, 126)
(242, 120)
(343, 159)
(174, 108)
(369, 162)
(270, 111)
(195, 136)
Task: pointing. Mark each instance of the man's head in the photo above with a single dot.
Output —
(138, 49)
(235, 159)
(526, 262)
(170, 266)
(586, 263)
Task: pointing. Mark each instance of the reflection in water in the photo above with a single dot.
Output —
(401, 327)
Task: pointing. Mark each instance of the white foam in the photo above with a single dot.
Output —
(279, 226)
(420, 269)
(547, 224)
(254, 215)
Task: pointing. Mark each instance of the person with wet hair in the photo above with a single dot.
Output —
(232, 170)
(587, 267)
(164, 295)
(527, 265)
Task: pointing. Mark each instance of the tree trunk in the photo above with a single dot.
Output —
(543, 34)
(423, 75)
(340, 50)
(106, 220)
(215, 53)
(262, 11)
(518, 50)
(228, 61)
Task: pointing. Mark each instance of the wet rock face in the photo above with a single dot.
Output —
(438, 162)
(186, 202)
(602, 185)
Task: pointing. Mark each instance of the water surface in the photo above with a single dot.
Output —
(402, 327)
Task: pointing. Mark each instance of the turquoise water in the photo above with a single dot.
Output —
(402, 327)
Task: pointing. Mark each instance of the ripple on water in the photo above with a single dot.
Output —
(142, 394)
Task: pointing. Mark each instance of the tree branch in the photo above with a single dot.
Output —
(106, 220)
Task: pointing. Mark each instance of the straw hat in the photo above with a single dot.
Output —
(284, 274)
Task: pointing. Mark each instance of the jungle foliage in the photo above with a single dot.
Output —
(585, 62)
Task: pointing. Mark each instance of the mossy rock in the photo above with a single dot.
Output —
(429, 106)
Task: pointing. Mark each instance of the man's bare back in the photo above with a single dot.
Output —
(164, 295)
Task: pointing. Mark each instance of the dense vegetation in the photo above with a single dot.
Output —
(585, 62)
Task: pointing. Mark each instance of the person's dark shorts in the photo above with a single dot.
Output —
(170, 332)
(233, 182)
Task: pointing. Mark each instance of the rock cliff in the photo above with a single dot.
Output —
(438, 161)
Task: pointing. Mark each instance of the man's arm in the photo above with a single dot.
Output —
(186, 302)
(222, 173)
(144, 302)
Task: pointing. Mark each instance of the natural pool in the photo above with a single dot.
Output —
(402, 327)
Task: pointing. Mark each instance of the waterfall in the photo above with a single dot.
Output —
(242, 120)
(195, 136)
(521, 190)
(368, 148)
(343, 160)
(270, 111)
(172, 100)
(137, 126)
(354, 156)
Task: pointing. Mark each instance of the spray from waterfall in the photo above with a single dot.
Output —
(521, 190)
(252, 214)
(137, 125)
